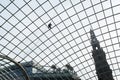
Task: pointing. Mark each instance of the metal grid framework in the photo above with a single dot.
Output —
(7, 73)
(24, 33)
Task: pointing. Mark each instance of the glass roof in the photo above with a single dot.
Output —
(25, 34)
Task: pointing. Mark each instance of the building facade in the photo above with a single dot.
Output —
(36, 72)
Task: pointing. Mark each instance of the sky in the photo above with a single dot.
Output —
(24, 33)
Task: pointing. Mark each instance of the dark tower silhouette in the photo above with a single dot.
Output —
(103, 70)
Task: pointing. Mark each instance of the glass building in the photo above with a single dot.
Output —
(57, 32)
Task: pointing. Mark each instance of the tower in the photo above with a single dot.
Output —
(103, 70)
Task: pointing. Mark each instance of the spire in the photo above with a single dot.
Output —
(94, 42)
(103, 70)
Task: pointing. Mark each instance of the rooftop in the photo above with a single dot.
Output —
(26, 33)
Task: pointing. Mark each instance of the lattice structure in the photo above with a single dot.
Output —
(6, 69)
(57, 32)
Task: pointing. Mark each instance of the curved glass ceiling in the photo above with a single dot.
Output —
(25, 35)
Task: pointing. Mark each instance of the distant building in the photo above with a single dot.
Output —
(102, 68)
(37, 72)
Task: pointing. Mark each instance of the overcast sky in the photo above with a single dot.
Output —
(24, 33)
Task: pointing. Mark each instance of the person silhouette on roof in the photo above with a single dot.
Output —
(49, 26)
